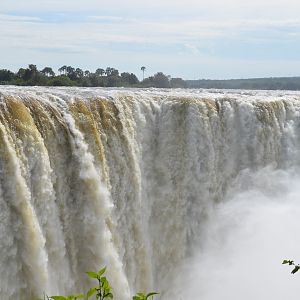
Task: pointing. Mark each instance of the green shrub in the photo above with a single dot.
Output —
(101, 291)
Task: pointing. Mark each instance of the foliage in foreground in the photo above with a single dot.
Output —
(101, 291)
(296, 267)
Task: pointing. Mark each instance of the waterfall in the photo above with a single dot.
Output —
(127, 179)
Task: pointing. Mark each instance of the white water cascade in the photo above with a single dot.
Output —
(194, 194)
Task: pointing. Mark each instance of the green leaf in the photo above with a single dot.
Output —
(103, 279)
(79, 296)
(102, 271)
(92, 275)
(296, 269)
(141, 295)
(91, 292)
(108, 295)
(285, 262)
(58, 298)
(105, 284)
(151, 294)
(136, 298)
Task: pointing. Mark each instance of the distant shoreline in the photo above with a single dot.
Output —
(269, 83)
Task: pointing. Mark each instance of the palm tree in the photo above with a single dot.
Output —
(143, 70)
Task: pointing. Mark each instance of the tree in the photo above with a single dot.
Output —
(100, 72)
(62, 70)
(21, 73)
(129, 78)
(47, 71)
(70, 76)
(61, 81)
(177, 83)
(6, 75)
(32, 76)
(111, 72)
(113, 78)
(79, 73)
(160, 80)
(143, 70)
(70, 71)
(96, 80)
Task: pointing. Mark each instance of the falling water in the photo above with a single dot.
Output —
(177, 191)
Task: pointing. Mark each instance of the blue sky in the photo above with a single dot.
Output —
(190, 39)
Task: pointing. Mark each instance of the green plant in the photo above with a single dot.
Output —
(142, 296)
(103, 290)
(292, 263)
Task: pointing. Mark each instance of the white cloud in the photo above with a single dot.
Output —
(106, 18)
(189, 30)
(211, 8)
(24, 32)
(11, 18)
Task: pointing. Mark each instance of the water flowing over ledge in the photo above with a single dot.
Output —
(124, 178)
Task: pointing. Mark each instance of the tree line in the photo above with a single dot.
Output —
(272, 83)
(70, 76)
(111, 77)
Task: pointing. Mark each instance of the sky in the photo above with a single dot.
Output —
(214, 39)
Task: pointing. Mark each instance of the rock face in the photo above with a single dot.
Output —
(123, 178)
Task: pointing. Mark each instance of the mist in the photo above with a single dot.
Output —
(245, 240)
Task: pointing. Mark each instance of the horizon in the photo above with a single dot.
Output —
(193, 40)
